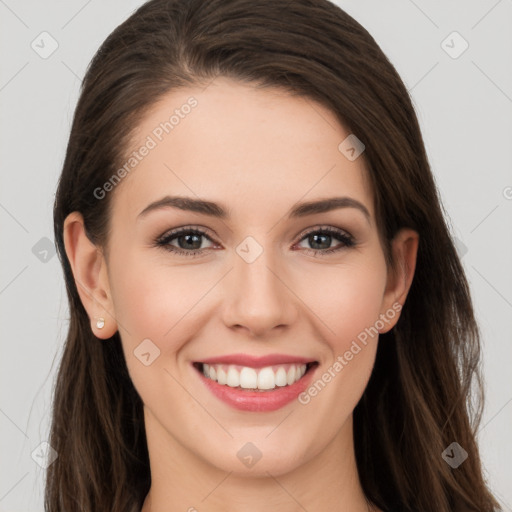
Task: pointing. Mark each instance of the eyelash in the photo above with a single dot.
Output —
(163, 241)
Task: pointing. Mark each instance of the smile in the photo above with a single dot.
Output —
(263, 379)
(256, 384)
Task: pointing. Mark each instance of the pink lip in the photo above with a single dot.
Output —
(256, 362)
(258, 401)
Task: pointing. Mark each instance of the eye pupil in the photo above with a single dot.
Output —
(314, 240)
(190, 242)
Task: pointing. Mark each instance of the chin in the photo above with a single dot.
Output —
(259, 457)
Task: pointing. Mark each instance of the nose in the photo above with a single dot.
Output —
(258, 298)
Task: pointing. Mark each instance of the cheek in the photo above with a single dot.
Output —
(153, 302)
(351, 344)
(348, 309)
(156, 301)
(347, 299)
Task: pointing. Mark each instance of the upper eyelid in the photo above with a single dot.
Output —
(185, 229)
(324, 227)
(205, 232)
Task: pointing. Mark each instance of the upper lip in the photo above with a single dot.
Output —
(257, 361)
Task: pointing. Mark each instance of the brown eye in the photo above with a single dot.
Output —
(320, 240)
(188, 240)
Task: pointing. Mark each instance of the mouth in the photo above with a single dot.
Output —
(253, 384)
(247, 378)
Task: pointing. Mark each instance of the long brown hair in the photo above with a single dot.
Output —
(425, 390)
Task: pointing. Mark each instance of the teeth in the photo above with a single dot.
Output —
(233, 378)
(290, 376)
(222, 378)
(281, 377)
(248, 378)
(245, 377)
(266, 379)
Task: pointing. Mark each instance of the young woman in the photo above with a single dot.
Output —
(267, 308)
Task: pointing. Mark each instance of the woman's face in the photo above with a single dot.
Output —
(273, 286)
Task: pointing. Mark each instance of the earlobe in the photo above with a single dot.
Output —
(405, 249)
(91, 279)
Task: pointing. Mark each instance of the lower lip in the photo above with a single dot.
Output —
(258, 401)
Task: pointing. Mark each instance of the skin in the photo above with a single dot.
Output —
(257, 152)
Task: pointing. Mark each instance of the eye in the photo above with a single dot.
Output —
(188, 241)
(321, 238)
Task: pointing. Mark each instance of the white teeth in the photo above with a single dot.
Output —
(245, 377)
(281, 377)
(233, 379)
(248, 378)
(222, 378)
(290, 377)
(266, 379)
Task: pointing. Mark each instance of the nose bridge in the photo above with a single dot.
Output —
(258, 299)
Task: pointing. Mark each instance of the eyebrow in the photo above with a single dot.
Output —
(216, 210)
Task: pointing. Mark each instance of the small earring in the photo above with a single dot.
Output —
(100, 323)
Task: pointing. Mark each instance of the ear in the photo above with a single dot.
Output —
(405, 248)
(90, 273)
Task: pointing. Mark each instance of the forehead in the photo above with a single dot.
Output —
(243, 146)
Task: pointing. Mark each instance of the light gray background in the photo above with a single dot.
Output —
(464, 106)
